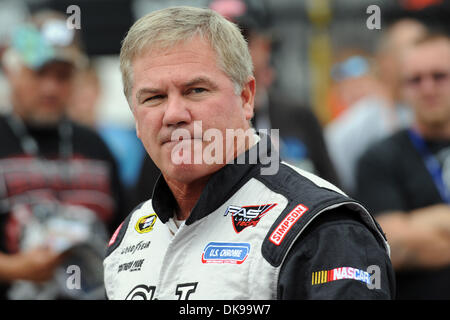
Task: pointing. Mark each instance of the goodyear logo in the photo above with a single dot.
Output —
(146, 223)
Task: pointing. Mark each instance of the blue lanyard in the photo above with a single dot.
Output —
(431, 163)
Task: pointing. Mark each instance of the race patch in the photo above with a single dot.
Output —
(286, 224)
(131, 266)
(225, 252)
(146, 223)
(114, 236)
(246, 216)
(341, 273)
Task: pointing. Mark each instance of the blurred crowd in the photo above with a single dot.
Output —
(72, 168)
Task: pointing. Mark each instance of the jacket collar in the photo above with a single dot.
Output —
(222, 184)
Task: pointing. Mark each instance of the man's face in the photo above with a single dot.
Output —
(176, 87)
(426, 82)
(40, 96)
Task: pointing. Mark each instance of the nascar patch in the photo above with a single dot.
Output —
(341, 273)
(114, 236)
(226, 252)
(146, 223)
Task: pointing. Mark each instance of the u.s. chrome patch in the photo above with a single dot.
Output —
(146, 223)
(225, 252)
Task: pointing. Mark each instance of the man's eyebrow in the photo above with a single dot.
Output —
(200, 81)
(194, 82)
(146, 90)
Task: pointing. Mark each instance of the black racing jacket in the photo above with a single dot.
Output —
(288, 235)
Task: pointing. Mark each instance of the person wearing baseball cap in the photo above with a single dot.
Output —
(50, 167)
(42, 49)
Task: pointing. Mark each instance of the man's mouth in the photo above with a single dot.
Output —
(180, 140)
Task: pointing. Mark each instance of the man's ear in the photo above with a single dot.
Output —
(136, 124)
(138, 133)
(248, 97)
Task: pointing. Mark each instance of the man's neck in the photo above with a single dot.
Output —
(433, 131)
(186, 195)
(39, 123)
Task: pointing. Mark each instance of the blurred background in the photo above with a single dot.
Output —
(308, 39)
(328, 70)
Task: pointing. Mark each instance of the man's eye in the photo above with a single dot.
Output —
(153, 98)
(198, 90)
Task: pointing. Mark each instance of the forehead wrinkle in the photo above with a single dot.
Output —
(201, 80)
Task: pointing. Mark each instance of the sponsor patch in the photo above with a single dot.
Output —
(341, 273)
(131, 266)
(225, 252)
(114, 236)
(145, 224)
(286, 224)
(243, 217)
(141, 245)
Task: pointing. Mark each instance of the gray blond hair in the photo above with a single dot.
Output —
(165, 28)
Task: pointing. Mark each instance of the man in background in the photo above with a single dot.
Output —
(405, 178)
(60, 195)
(378, 110)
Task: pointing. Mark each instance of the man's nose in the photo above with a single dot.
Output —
(50, 85)
(177, 111)
(427, 84)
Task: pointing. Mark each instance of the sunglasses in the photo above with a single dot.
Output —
(438, 77)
